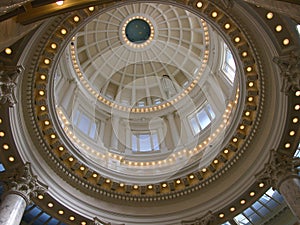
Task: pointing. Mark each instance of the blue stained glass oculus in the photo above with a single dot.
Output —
(138, 31)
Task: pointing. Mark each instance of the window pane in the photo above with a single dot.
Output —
(226, 223)
(41, 219)
(229, 67)
(241, 220)
(211, 112)
(272, 204)
(31, 213)
(262, 210)
(195, 125)
(141, 104)
(134, 142)
(157, 101)
(2, 167)
(93, 130)
(75, 117)
(145, 143)
(254, 218)
(155, 141)
(203, 119)
(84, 123)
(53, 221)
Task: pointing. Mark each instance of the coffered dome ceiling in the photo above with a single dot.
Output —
(138, 106)
(136, 87)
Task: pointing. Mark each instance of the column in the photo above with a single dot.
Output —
(173, 130)
(68, 96)
(290, 189)
(20, 186)
(115, 132)
(281, 173)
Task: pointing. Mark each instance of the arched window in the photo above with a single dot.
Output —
(202, 118)
(229, 66)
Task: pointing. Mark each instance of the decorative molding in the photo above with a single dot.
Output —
(289, 66)
(21, 181)
(207, 219)
(279, 167)
(8, 76)
(99, 222)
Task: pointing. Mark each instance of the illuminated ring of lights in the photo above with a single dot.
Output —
(146, 109)
(140, 45)
(56, 147)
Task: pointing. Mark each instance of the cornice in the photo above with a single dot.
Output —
(49, 148)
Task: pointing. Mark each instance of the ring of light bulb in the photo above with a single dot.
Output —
(139, 45)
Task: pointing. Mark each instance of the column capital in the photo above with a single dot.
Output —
(97, 221)
(21, 181)
(289, 66)
(8, 76)
(279, 168)
(206, 219)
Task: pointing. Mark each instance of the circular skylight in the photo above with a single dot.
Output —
(137, 31)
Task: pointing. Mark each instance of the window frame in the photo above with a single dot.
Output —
(207, 109)
(228, 59)
(154, 147)
(92, 127)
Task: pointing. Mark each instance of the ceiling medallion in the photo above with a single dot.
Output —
(137, 32)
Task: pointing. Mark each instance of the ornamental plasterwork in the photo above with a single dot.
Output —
(8, 76)
(289, 66)
(21, 181)
(99, 184)
(279, 167)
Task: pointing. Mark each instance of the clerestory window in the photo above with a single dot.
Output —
(201, 119)
(145, 142)
(85, 124)
(229, 67)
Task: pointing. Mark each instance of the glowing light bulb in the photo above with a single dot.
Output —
(59, 3)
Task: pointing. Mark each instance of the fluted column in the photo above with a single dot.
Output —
(281, 173)
(20, 187)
